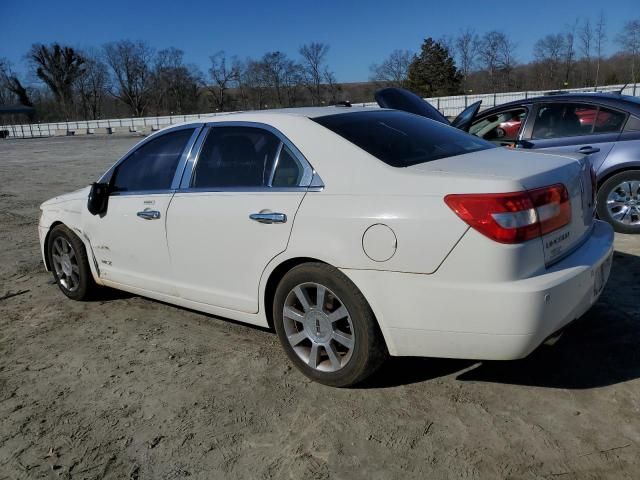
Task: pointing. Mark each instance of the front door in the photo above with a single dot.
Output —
(129, 240)
(234, 215)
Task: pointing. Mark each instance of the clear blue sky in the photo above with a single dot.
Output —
(359, 32)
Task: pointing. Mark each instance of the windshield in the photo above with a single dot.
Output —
(402, 139)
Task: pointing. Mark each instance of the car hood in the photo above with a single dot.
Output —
(81, 194)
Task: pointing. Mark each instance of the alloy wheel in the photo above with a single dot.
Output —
(318, 327)
(65, 263)
(623, 203)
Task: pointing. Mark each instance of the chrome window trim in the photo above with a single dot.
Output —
(311, 181)
(106, 176)
(142, 193)
(275, 164)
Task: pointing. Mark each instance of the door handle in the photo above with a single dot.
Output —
(149, 214)
(588, 150)
(268, 217)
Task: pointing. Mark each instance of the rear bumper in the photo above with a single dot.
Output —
(421, 315)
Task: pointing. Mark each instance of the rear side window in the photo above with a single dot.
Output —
(608, 121)
(289, 170)
(402, 139)
(235, 157)
(153, 165)
(557, 120)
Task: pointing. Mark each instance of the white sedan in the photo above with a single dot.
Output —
(356, 233)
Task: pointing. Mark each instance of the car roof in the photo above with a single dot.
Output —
(624, 102)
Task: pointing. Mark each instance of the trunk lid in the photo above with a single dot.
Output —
(532, 170)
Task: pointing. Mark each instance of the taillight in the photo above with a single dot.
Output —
(514, 217)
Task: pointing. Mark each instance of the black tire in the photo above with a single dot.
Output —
(369, 350)
(606, 189)
(84, 288)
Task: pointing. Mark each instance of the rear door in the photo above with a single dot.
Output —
(234, 213)
(576, 127)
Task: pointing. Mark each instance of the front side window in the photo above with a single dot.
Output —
(153, 165)
(501, 127)
(235, 157)
(401, 139)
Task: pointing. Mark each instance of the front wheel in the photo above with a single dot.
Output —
(619, 202)
(326, 326)
(70, 265)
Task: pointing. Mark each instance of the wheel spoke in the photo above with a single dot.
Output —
(75, 269)
(293, 314)
(338, 314)
(297, 337)
(303, 298)
(634, 187)
(320, 294)
(614, 203)
(343, 338)
(334, 357)
(619, 215)
(313, 355)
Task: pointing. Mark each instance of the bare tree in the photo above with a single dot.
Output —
(314, 55)
(225, 75)
(569, 51)
(600, 39)
(130, 63)
(93, 84)
(393, 71)
(548, 51)
(466, 45)
(11, 86)
(59, 67)
(629, 40)
(176, 85)
(497, 56)
(277, 69)
(586, 37)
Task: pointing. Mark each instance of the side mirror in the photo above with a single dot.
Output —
(98, 198)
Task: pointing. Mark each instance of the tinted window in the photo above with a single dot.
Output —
(153, 165)
(235, 157)
(608, 121)
(500, 128)
(401, 139)
(556, 120)
(289, 170)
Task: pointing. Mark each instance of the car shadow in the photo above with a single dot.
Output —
(600, 349)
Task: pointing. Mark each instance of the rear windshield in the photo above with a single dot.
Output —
(402, 139)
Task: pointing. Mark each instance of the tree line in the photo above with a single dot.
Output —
(470, 62)
(130, 78)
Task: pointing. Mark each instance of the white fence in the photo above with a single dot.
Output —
(449, 106)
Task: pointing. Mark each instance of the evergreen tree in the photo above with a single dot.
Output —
(433, 72)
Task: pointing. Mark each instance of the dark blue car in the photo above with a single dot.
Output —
(604, 126)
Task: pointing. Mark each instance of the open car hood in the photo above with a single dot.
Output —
(401, 99)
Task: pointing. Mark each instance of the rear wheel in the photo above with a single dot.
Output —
(70, 265)
(619, 201)
(326, 326)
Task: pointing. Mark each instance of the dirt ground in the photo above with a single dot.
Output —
(128, 388)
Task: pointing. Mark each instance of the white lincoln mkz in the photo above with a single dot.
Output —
(356, 233)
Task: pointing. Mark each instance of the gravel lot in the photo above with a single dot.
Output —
(126, 387)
